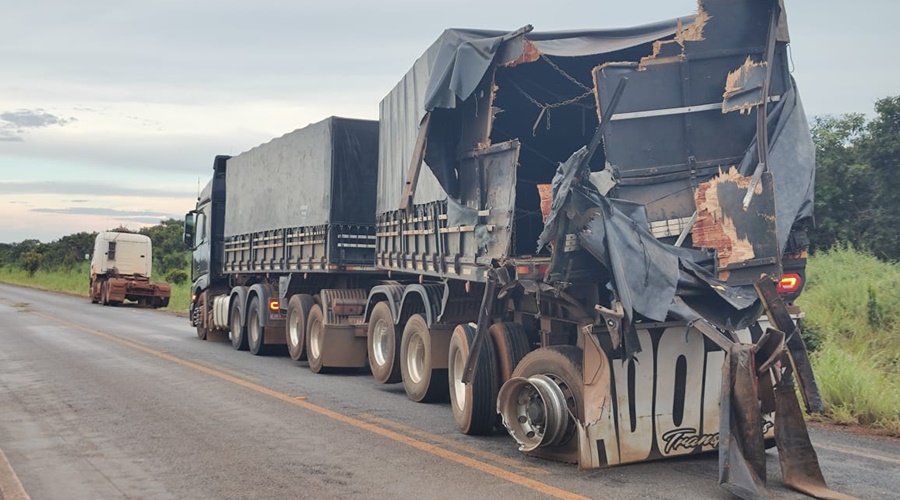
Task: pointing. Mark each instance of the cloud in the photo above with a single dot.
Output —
(14, 123)
(25, 118)
(85, 188)
(136, 215)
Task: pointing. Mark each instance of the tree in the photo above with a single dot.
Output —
(168, 249)
(858, 181)
(844, 185)
(881, 148)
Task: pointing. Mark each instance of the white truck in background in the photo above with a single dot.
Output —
(120, 270)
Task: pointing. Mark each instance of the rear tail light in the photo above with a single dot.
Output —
(531, 271)
(789, 283)
(273, 305)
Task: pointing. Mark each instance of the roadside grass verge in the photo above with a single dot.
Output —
(852, 306)
(76, 281)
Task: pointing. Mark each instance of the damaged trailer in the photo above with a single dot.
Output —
(590, 239)
(602, 218)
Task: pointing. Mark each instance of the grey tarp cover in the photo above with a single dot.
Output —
(650, 278)
(448, 72)
(792, 161)
(465, 55)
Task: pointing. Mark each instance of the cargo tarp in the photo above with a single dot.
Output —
(447, 74)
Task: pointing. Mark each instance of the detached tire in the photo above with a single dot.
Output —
(562, 365)
(315, 339)
(298, 314)
(383, 345)
(237, 333)
(475, 404)
(256, 333)
(422, 383)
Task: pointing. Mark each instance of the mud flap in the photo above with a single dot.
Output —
(747, 377)
(742, 452)
(799, 462)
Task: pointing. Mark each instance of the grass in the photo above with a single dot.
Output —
(853, 317)
(76, 281)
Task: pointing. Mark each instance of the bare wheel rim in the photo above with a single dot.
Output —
(380, 342)
(459, 388)
(315, 339)
(535, 411)
(294, 328)
(415, 360)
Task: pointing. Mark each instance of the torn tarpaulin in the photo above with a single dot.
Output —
(646, 275)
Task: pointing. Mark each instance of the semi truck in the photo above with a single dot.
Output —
(590, 239)
(120, 270)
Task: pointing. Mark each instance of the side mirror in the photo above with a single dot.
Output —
(188, 236)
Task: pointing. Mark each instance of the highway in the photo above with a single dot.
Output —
(122, 402)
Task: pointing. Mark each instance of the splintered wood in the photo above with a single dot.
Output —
(693, 33)
(744, 87)
(546, 193)
(714, 227)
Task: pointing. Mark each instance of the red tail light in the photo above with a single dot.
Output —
(789, 283)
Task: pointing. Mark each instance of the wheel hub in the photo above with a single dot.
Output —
(534, 411)
(415, 362)
(380, 339)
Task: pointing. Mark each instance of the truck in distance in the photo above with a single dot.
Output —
(120, 270)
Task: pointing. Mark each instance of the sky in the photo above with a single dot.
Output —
(111, 111)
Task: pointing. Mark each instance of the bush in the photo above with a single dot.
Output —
(177, 277)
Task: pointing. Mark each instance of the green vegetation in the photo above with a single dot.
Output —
(857, 182)
(853, 313)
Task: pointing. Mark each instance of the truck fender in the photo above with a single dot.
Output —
(264, 291)
(431, 295)
(200, 285)
(239, 300)
(380, 293)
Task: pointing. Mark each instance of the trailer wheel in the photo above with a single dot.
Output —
(384, 345)
(104, 293)
(475, 404)
(256, 333)
(198, 313)
(315, 339)
(94, 298)
(298, 312)
(512, 345)
(238, 332)
(538, 402)
(422, 383)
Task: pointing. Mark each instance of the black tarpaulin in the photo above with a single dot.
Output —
(465, 55)
(646, 275)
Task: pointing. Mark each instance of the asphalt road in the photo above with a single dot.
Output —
(120, 402)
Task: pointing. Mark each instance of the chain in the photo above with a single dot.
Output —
(564, 74)
(551, 105)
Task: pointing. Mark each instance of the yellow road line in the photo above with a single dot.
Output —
(453, 444)
(10, 486)
(233, 373)
(302, 403)
(857, 452)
